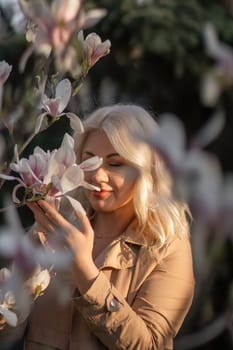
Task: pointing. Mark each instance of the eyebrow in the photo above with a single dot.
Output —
(108, 156)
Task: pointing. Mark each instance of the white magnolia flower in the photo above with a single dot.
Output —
(38, 282)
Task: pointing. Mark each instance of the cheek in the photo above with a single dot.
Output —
(129, 179)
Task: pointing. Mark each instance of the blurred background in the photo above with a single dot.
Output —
(158, 59)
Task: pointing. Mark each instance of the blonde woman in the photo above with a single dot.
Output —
(132, 272)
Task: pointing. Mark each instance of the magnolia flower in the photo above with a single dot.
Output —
(5, 70)
(31, 171)
(93, 49)
(220, 76)
(7, 302)
(55, 106)
(196, 174)
(65, 175)
(38, 282)
(15, 245)
(16, 292)
(34, 286)
(56, 22)
(52, 174)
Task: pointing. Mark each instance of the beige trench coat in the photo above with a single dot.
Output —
(138, 301)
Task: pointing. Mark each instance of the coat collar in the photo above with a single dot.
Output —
(122, 252)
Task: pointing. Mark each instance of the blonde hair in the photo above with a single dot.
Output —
(160, 217)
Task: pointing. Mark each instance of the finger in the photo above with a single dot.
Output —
(54, 216)
(54, 202)
(42, 220)
(45, 225)
(35, 208)
(85, 225)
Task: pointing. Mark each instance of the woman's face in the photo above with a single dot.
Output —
(115, 177)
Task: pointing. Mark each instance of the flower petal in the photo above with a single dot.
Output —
(9, 316)
(5, 273)
(8, 177)
(92, 17)
(210, 130)
(71, 179)
(63, 91)
(75, 123)
(8, 244)
(39, 122)
(67, 141)
(14, 196)
(39, 279)
(91, 163)
(76, 205)
(66, 11)
(89, 186)
(5, 70)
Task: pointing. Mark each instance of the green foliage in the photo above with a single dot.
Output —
(169, 29)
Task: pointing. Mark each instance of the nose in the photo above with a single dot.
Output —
(99, 175)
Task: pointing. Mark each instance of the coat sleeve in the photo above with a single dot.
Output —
(157, 312)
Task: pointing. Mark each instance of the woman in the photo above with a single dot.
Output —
(132, 274)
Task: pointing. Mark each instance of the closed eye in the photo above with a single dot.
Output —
(115, 164)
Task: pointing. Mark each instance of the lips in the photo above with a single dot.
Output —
(102, 193)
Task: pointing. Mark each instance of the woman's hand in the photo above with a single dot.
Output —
(79, 242)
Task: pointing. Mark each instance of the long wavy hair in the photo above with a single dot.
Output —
(160, 218)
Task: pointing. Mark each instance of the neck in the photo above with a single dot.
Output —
(110, 225)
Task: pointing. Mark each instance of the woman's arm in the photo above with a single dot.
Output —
(158, 310)
(160, 305)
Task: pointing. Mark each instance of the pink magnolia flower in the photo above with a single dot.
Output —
(31, 171)
(56, 22)
(65, 175)
(55, 106)
(93, 48)
(52, 174)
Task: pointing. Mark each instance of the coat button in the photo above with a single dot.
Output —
(113, 305)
